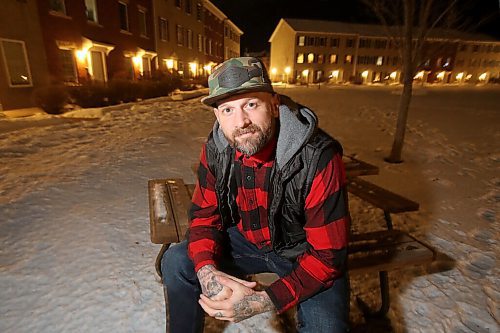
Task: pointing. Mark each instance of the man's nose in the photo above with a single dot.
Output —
(241, 119)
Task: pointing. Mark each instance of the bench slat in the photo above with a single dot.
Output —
(385, 251)
(169, 201)
(386, 200)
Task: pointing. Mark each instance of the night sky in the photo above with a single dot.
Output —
(258, 18)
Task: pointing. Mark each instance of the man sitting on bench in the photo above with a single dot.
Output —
(271, 197)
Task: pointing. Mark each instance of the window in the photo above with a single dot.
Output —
(301, 41)
(180, 35)
(380, 61)
(16, 63)
(190, 38)
(210, 46)
(475, 48)
(142, 22)
(146, 67)
(189, 9)
(349, 43)
(334, 42)
(310, 58)
(333, 58)
(91, 10)
(199, 11)
(380, 43)
(365, 43)
(200, 43)
(321, 58)
(57, 6)
(123, 11)
(68, 66)
(348, 59)
(300, 58)
(178, 3)
(463, 47)
(163, 29)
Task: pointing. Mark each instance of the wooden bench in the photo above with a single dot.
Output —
(380, 251)
(386, 200)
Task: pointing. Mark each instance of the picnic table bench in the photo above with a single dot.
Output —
(379, 251)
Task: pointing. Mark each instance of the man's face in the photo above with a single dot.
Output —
(248, 121)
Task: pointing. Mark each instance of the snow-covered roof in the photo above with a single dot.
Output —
(373, 30)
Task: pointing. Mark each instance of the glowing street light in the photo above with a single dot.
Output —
(287, 72)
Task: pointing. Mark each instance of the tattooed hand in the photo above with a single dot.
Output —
(243, 303)
(208, 277)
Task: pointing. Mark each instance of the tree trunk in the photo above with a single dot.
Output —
(404, 102)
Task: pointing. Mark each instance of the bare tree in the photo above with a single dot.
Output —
(407, 24)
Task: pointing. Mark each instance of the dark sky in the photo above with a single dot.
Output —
(258, 18)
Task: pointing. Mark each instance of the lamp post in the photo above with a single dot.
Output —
(287, 71)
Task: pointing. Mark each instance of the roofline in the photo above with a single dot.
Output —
(214, 10)
(231, 23)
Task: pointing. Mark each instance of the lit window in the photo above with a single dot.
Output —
(200, 43)
(301, 41)
(68, 65)
(16, 63)
(142, 22)
(380, 61)
(333, 58)
(310, 58)
(57, 6)
(123, 11)
(91, 10)
(180, 35)
(348, 59)
(163, 29)
(300, 58)
(190, 38)
(146, 67)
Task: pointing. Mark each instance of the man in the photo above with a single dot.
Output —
(270, 197)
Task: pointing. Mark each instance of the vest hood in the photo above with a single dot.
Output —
(296, 125)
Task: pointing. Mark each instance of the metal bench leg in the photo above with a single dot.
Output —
(384, 295)
(388, 220)
(163, 249)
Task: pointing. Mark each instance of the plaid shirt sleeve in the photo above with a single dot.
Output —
(205, 229)
(327, 230)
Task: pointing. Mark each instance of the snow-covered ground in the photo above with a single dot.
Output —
(75, 254)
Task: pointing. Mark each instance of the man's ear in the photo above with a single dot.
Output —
(276, 105)
(216, 112)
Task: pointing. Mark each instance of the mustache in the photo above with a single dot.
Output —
(249, 129)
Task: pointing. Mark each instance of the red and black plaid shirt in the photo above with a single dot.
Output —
(326, 226)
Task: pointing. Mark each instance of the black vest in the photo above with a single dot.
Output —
(289, 188)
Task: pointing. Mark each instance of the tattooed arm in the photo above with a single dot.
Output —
(243, 303)
(212, 288)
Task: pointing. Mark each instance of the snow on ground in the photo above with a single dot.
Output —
(75, 254)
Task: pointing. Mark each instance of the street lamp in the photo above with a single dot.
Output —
(273, 73)
(287, 71)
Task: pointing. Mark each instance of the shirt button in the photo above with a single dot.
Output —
(250, 201)
(254, 225)
(249, 177)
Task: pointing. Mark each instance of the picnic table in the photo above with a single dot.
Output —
(379, 251)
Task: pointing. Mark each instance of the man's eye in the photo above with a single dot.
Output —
(251, 105)
(226, 110)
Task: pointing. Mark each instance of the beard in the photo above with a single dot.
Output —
(254, 143)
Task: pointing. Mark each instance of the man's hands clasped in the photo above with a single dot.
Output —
(226, 297)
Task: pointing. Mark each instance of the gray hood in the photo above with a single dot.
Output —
(297, 124)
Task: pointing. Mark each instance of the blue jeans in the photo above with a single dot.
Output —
(325, 312)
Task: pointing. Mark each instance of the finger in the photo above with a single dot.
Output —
(234, 285)
(217, 314)
(249, 284)
(214, 304)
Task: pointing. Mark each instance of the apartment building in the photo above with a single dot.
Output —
(314, 51)
(79, 41)
(23, 64)
(97, 40)
(180, 37)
